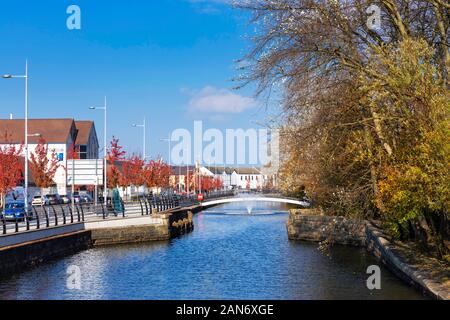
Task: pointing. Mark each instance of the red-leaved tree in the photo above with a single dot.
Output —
(133, 172)
(115, 154)
(157, 174)
(73, 152)
(43, 165)
(190, 180)
(207, 183)
(10, 169)
(218, 183)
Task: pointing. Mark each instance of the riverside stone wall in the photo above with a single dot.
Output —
(305, 224)
(308, 225)
(170, 225)
(28, 254)
(129, 234)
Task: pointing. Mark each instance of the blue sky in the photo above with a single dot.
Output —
(170, 60)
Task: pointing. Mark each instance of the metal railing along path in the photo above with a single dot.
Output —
(63, 214)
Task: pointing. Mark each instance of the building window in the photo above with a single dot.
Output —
(82, 153)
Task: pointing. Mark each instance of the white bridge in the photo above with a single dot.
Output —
(214, 202)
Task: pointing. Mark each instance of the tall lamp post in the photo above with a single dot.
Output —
(170, 151)
(143, 147)
(105, 187)
(25, 76)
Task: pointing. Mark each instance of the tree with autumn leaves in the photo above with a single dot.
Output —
(157, 174)
(73, 152)
(133, 170)
(124, 172)
(206, 183)
(115, 156)
(11, 165)
(365, 111)
(218, 183)
(43, 165)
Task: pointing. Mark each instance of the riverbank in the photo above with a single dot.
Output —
(19, 251)
(427, 274)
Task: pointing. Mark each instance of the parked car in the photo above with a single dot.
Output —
(53, 199)
(66, 199)
(82, 198)
(15, 210)
(87, 198)
(39, 201)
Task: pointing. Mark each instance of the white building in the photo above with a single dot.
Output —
(238, 178)
(247, 178)
(59, 134)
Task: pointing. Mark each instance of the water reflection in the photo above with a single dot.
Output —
(230, 255)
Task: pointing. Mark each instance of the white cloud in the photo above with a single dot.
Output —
(209, 6)
(212, 100)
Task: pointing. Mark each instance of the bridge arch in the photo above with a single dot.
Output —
(214, 202)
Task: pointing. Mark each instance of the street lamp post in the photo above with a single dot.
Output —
(170, 151)
(167, 140)
(105, 187)
(25, 76)
(143, 147)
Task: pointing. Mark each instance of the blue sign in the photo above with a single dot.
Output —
(61, 156)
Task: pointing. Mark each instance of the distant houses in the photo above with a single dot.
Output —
(241, 178)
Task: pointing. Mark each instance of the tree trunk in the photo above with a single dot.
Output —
(397, 19)
(2, 199)
(442, 28)
(379, 131)
(437, 223)
(373, 171)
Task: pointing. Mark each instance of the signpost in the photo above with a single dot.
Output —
(82, 172)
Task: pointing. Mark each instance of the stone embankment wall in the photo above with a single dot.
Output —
(311, 225)
(17, 257)
(308, 227)
(23, 250)
(163, 227)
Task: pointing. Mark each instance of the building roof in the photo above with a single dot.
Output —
(220, 170)
(84, 131)
(181, 170)
(247, 171)
(52, 130)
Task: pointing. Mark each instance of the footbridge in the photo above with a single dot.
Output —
(255, 198)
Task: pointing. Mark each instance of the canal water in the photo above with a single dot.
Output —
(230, 255)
